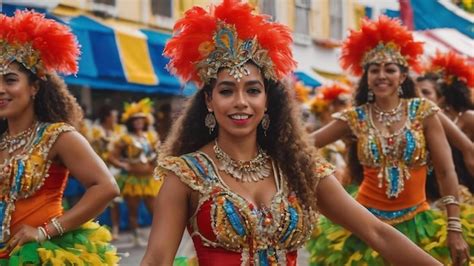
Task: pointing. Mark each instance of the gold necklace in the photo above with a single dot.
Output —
(14, 143)
(389, 117)
(245, 171)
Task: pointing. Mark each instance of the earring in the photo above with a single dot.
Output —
(210, 121)
(370, 95)
(265, 123)
(400, 91)
(33, 96)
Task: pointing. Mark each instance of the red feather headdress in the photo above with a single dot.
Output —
(327, 94)
(228, 36)
(452, 66)
(381, 41)
(41, 45)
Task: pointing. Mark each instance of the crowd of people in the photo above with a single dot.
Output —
(257, 166)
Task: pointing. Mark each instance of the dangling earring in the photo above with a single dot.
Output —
(265, 123)
(400, 91)
(210, 122)
(370, 95)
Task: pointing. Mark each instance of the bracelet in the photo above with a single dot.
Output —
(452, 218)
(450, 199)
(455, 230)
(57, 226)
(44, 235)
(46, 231)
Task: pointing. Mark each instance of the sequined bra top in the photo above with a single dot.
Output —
(227, 222)
(393, 155)
(139, 149)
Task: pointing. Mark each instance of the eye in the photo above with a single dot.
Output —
(225, 91)
(374, 70)
(254, 90)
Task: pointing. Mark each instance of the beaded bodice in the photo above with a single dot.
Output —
(139, 149)
(392, 154)
(262, 235)
(23, 174)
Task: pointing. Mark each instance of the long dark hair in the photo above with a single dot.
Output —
(457, 95)
(361, 98)
(53, 102)
(286, 141)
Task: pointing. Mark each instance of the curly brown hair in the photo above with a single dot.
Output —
(286, 141)
(53, 102)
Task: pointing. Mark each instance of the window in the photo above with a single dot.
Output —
(104, 8)
(268, 7)
(335, 19)
(105, 2)
(301, 31)
(161, 8)
(302, 16)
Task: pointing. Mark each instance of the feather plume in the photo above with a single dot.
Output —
(194, 34)
(372, 33)
(452, 66)
(56, 45)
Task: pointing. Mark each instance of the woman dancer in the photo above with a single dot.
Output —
(135, 154)
(238, 171)
(394, 132)
(39, 146)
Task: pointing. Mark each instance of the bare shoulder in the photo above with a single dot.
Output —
(69, 141)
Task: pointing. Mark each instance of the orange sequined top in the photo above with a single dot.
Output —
(32, 186)
(394, 165)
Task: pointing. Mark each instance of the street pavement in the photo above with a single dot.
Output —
(132, 255)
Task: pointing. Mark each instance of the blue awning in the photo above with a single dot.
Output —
(307, 80)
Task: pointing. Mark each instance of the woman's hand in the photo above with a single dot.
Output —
(24, 235)
(458, 248)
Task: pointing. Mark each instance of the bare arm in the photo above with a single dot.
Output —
(114, 157)
(170, 215)
(447, 180)
(331, 132)
(459, 140)
(342, 209)
(76, 154)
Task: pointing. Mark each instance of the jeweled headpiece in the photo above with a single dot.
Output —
(142, 108)
(41, 45)
(451, 66)
(228, 36)
(382, 41)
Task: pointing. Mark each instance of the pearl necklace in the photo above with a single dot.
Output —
(14, 143)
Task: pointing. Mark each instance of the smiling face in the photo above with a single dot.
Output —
(238, 106)
(16, 92)
(384, 79)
